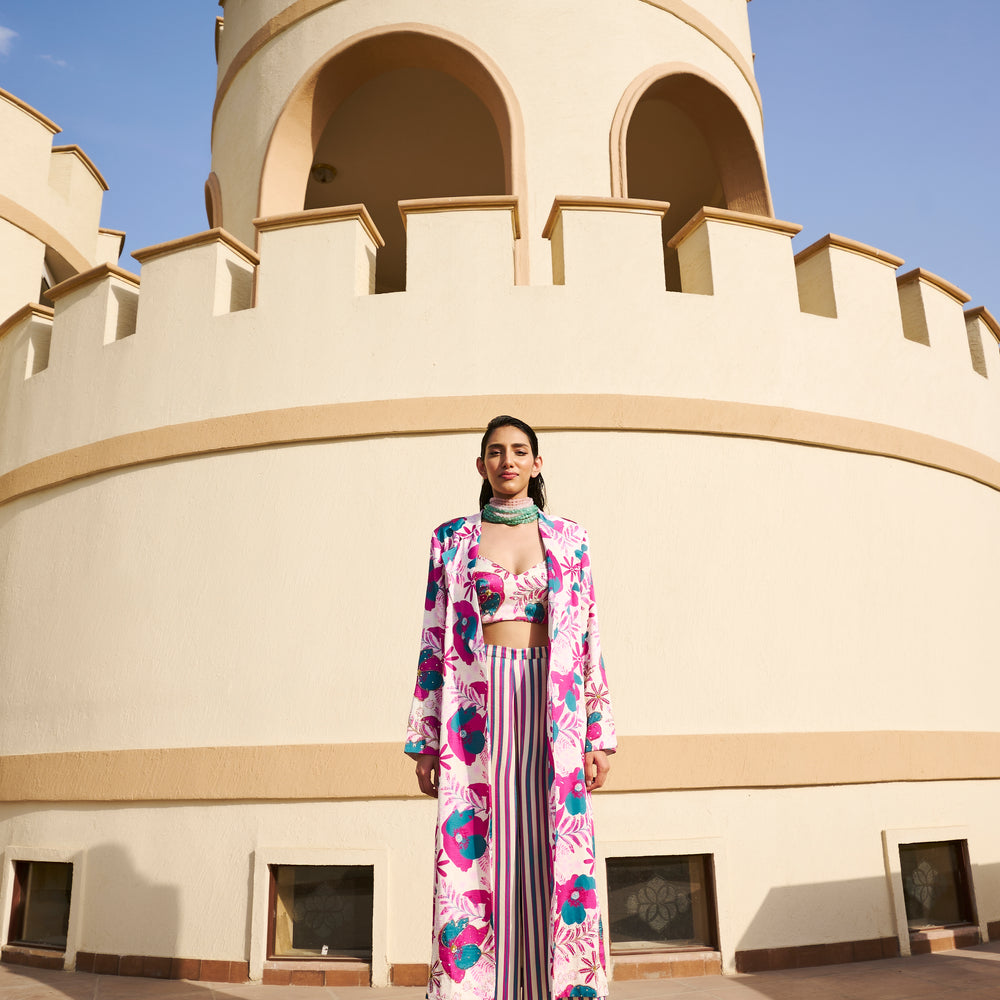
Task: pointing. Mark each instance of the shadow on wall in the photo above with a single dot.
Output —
(124, 914)
(120, 908)
(866, 904)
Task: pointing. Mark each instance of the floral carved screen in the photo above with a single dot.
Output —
(661, 903)
(322, 911)
(935, 884)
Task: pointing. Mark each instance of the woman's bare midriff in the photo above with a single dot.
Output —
(516, 635)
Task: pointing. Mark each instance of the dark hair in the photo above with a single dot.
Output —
(536, 485)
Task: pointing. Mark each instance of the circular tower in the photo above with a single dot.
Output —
(218, 482)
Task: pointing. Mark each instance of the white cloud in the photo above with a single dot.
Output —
(61, 63)
(7, 36)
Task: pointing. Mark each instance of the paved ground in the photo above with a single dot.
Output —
(965, 974)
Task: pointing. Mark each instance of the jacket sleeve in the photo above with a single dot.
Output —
(424, 728)
(600, 722)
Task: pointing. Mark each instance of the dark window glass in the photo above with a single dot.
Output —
(40, 913)
(935, 884)
(322, 911)
(661, 903)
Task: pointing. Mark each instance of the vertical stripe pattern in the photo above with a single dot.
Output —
(522, 881)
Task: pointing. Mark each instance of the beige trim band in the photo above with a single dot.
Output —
(36, 226)
(727, 215)
(919, 274)
(465, 203)
(302, 9)
(209, 236)
(98, 273)
(983, 314)
(693, 19)
(853, 246)
(461, 414)
(318, 217)
(28, 109)
(585, 203)
(86, 161)
(380, 770)
(33, 310)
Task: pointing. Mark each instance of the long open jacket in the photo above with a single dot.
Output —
(450, 718)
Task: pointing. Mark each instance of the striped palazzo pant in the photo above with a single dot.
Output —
(522, 878)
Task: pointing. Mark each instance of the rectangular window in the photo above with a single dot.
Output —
(661, 903)
(936, 884)
(40, 912)
(321, 911)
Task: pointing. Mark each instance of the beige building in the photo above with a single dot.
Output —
(217, 483)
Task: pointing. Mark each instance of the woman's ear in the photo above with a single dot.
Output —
(481, 468)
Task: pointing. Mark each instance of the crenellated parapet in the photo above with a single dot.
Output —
(216, 330)
(50, 208)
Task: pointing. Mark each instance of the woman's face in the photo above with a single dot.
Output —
(508, 464)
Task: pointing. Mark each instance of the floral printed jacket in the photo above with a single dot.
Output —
(449, 718)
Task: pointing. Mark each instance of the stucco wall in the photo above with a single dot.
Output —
(793, 866)
(285, 585)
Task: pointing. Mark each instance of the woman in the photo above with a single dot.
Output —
(511, 730)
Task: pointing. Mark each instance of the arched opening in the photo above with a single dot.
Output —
(395, 114)
(679, 138)
(213, 201)
(408, 133)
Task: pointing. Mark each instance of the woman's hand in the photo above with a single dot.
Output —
(427, 774)
(596, 767)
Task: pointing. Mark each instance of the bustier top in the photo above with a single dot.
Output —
(511, 597)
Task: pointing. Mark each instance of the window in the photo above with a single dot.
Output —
(321, 911)
(40, 911)
(936, 884)
(661, 903)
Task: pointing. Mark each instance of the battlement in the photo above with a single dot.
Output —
(50, 209)
(216, 328)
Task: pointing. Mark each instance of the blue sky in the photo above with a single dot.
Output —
(882, 117)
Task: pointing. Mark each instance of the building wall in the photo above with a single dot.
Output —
(802, 866)
(50, 206)
(849, 588)
(217, 485)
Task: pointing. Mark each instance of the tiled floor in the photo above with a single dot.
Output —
(966, 974)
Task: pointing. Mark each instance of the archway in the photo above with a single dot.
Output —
(678, 137)
(399, 112)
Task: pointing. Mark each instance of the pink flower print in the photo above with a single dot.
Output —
(577, 991)
(568, 686)
(489, 590)
(458, 947)
(593, 728)
(573, 792)
(554, 571)
(479, 897)
(464, 836)
(446, 530)
(464, 629)
(428, 729)
(536, 612)
(575, 897)
(429, 674)
(434, 574)
(467, 734)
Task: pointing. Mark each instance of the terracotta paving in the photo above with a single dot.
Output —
(965, 974)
